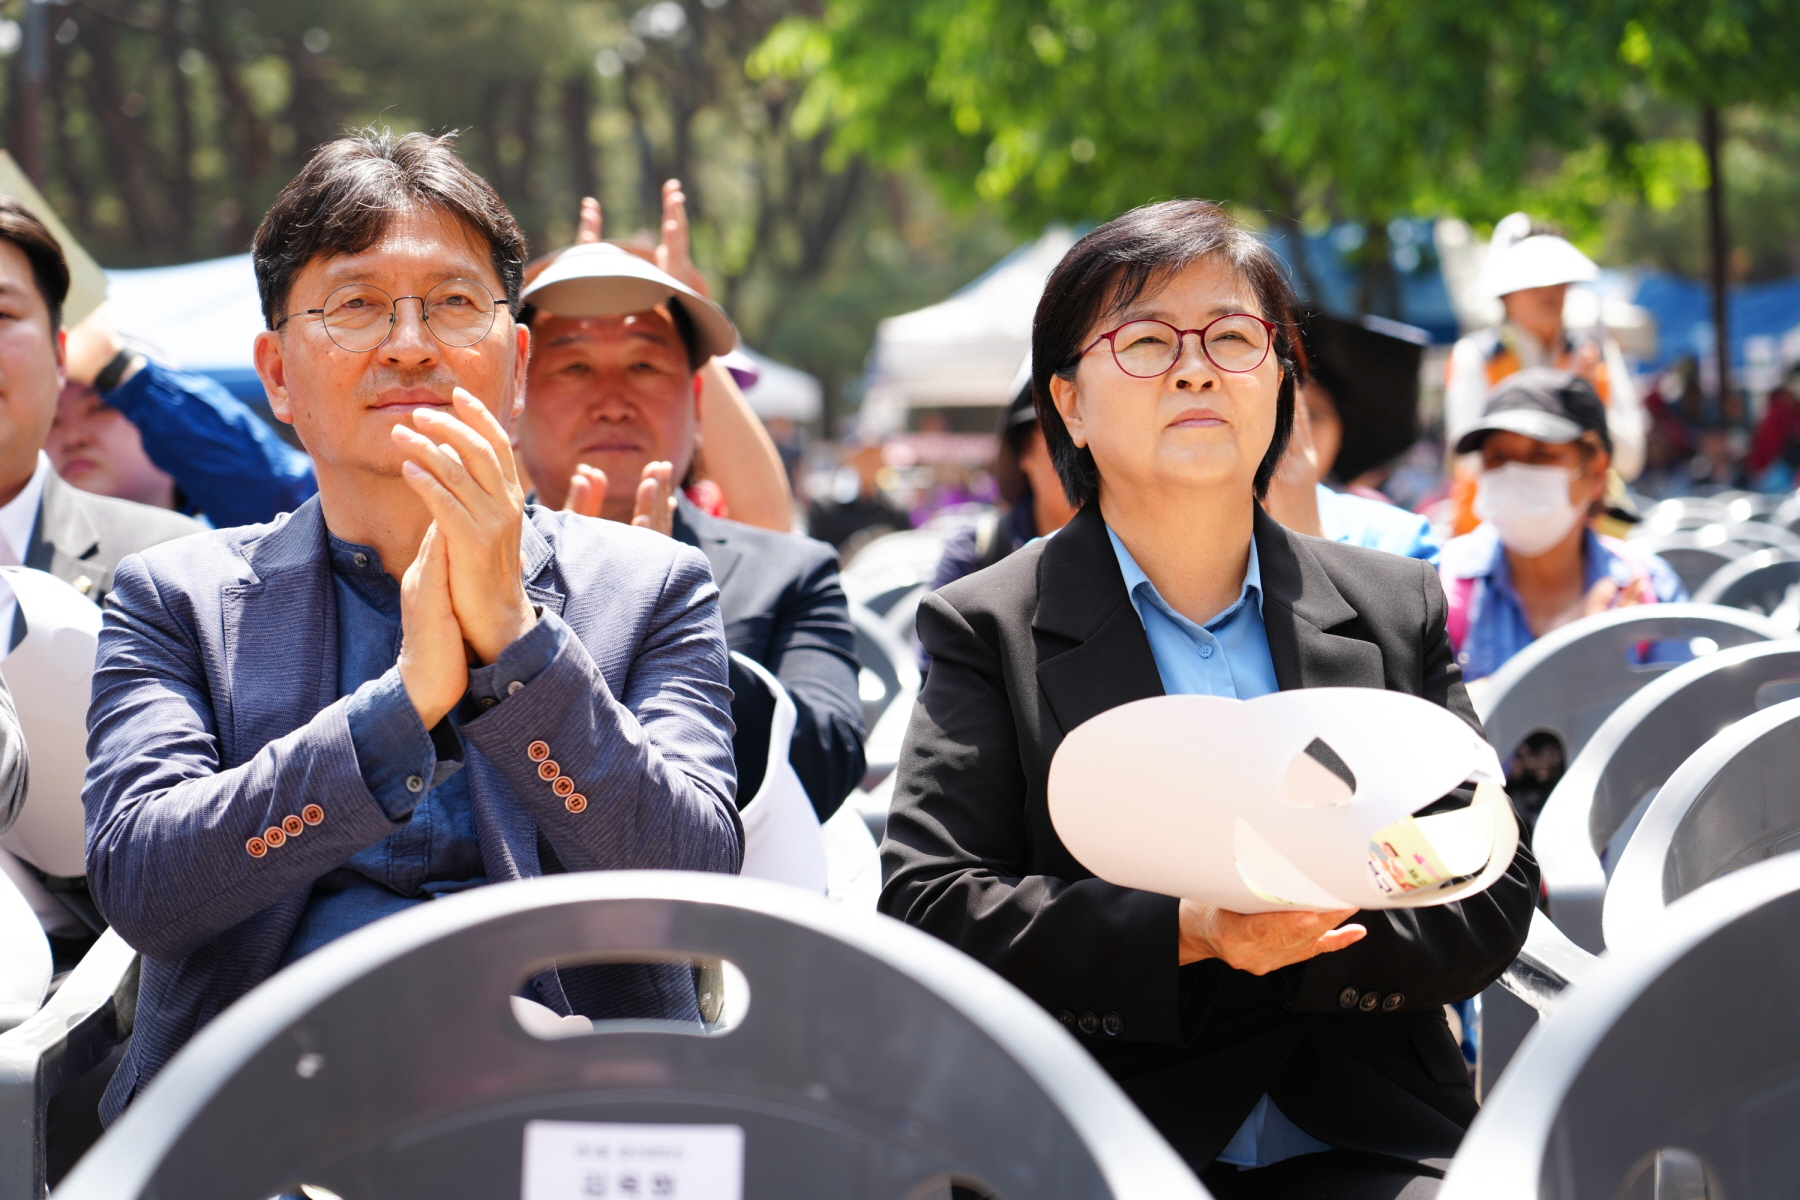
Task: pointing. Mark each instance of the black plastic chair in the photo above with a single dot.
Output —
(1732, 803)
(1672, 1072)
(872, 1061)
(1761, 582)
(1604, 793)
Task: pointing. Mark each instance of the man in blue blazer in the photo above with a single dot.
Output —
(414, 684)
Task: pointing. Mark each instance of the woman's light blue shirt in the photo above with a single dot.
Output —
(1227, 656)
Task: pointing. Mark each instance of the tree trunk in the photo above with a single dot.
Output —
(26, 133)
(577, 112)
(249, 146)
(60, 93)
(1380, 287)
(1721, 250)
(127, 149)
(182, 194)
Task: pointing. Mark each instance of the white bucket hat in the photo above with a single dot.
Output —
(1518, 259)
(600, 280)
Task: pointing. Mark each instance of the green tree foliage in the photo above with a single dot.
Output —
(162, 129)
(1324, 109)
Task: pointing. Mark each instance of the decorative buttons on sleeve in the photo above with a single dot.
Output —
(1369, 1001)
(550, 771)
(1348, 997)
(278, 834)
(1392, 1002)
(414, 784)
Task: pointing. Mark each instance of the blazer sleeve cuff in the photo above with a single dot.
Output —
(399, 758)
(520, 663)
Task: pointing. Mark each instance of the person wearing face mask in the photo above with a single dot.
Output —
(1534, 564)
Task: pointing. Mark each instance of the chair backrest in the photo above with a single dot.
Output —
(1760, 533)
(1570, 680)
(1752, 506)
(872, 1061)
(1787, 515)
(1678, 1057)
(1758, 582)
(1735, 801)
(1641, 744)
(25, 965)
(1679, 512)
(1695, 554)
(782, 841)
(51, 676)
(889, 683)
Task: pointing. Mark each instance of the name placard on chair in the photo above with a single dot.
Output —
(586, 1160)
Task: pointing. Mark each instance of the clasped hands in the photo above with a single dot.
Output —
(461, 600)
(1261, 942)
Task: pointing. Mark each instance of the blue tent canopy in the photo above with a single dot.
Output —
(1683, 312)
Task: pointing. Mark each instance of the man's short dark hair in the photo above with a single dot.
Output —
(343, 198)
(20, 226)
(1106, 271)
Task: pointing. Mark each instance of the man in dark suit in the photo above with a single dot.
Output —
(45, 523)
(611, 424)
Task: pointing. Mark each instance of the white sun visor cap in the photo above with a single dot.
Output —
(599, 280)
(1518, 259)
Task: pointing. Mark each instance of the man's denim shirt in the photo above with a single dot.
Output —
(409, 770)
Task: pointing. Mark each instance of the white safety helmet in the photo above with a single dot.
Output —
(1518, 259)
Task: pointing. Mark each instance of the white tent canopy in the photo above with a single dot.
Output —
(204, 316)
(966, 350)
(783, 392)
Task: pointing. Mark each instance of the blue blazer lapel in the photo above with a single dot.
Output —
(284, 612)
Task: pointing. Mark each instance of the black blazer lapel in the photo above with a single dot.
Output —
(1300, 605)
(1092, 651)
(703, 533)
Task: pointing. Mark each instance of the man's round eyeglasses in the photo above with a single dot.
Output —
(1235, 342)
(359, 317)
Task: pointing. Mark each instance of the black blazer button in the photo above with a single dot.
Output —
(1089, 1022)
(1113, 1024)
(1392, 1002)
(1369, 1001)
(1347, 998)
(1067, 1018)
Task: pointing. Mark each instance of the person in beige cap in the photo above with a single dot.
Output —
(741, 477)
(616, 410)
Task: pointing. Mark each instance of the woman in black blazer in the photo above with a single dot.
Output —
(1313, 1054)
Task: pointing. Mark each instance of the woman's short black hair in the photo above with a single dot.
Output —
(1106, 271)
(348, 191)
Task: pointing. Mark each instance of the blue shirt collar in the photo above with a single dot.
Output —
(1136, 579)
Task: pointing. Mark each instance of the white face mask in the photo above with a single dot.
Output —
(1528, 506)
